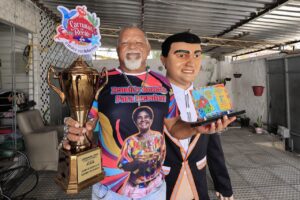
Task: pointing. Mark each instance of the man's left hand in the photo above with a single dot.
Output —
(222, 124)
(221, 197)
(216, 127)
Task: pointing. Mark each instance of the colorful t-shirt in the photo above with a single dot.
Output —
(130, 135)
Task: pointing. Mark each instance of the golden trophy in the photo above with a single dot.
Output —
(81, 166)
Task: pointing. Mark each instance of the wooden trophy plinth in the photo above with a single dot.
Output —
(77, 171)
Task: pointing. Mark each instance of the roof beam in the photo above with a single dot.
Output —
(208, 5)
(268, 48)
(188, 9)
(142, 14)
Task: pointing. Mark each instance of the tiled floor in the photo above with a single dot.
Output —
(258, 171)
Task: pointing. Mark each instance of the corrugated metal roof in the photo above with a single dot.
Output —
(279, 24)
(271, 21)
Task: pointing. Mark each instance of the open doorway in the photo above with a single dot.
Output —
(16, 79)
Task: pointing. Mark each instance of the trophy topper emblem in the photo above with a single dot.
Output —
(79, 30)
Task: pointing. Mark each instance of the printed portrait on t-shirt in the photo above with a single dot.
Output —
(130, 130)
(143, 152)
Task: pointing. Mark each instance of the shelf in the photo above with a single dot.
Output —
(6, 131)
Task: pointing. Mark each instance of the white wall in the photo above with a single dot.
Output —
(253, 73)
(20, 13)
(208, 72)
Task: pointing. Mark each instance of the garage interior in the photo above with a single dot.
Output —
(245, 44)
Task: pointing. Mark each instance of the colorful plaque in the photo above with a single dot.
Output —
(211, 101)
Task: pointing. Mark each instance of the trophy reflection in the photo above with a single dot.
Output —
(81, 166)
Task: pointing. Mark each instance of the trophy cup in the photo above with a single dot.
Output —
(81, 166)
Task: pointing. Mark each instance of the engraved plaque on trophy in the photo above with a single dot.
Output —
(79, 85)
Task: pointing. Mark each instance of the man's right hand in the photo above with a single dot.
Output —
(216, 127)
(182, 130)
(76, 133)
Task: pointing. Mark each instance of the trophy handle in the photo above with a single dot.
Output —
(103, 73)
(51, 71)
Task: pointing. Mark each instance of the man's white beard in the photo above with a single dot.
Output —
(133, 64)
(133, 59)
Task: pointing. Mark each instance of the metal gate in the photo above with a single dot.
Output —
(277, 94)
(284, 96)
(293, 77)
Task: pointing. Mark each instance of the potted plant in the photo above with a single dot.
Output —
(223, 81)
(245, 121)
(258, 90)
(237, 75)
(258, 125)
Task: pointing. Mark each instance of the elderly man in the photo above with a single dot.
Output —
(185, 161)
(130, 86)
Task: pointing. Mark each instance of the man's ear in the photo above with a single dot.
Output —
(118, 50)
(149, 47)
(163, 61)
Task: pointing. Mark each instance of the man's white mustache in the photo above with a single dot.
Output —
(133, 52)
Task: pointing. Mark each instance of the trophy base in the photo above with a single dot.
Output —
(79, 171)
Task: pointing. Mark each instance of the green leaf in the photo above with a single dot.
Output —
(90, 18)
(97, 23)
(94, 23)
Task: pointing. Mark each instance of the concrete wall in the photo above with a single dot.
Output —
(253, 73)
(21, 13)
(208, 72)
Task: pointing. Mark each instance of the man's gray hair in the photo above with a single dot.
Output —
(130, 26)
